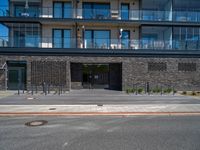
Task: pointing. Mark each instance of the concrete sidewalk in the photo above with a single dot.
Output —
(85, 102)
(99, 110)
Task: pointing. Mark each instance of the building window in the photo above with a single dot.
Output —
(125, 39)
(26, 35)
(96, 10)
(157, 66)
(186, 38)
(61, 38)
(62, 10)
(97, 39)
(124, 11)
(31, 11)
(187, 67)
(156, 37)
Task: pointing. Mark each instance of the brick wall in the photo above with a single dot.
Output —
(134, 70)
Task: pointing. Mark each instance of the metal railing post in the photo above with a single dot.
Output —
(31, 89)
(18, 89)
(136, 89)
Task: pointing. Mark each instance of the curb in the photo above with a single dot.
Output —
(2, 114)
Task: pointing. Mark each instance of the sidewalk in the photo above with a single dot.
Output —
(96, 102)
(160, 109)
(4, 94)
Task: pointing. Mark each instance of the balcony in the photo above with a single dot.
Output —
(104, 44)
(101, 14)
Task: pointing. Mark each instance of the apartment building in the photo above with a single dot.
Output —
(110, 44)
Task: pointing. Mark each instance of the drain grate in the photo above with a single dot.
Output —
(36, 123)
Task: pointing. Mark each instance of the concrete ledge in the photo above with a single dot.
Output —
(12, 114)
(156, 109)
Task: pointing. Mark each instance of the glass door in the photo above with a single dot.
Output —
(125, 11)
(125, 39)
(16, 78)
(95, 76)
(67, 10)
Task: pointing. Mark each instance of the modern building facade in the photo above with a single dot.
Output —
(111, 44)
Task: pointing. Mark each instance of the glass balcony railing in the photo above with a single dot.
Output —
(137, 15)
(66, 43)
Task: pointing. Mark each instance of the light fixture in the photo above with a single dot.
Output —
(26, 5)
(83, 27)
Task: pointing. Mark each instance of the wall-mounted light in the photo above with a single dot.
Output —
(120, 32)
(26, 5)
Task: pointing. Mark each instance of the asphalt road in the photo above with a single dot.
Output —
(96, 99)
(101, 133)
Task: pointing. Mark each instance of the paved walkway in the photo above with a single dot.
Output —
(94, 97)
(98, 110)
(104, 108)
(96, 102)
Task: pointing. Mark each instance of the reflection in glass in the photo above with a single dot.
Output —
(96, 10)
(61, 38)
(125, 39)
(125, 11)
(97, 39)
(57, 10)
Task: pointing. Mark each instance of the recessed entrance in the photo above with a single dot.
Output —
(96, 76)
(16, 75)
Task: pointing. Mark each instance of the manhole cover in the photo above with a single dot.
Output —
(36, 123)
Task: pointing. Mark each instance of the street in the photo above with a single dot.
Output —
(101, 133)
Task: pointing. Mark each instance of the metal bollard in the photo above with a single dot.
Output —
(36, 90)
(136, 90)
(48, 89)
(45, 89)
(31, 89)
(161, 92)
(58, 90)
(148, 90)
(18, 92)
(61, 89)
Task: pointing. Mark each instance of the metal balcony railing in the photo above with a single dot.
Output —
(102, 14)
(123, 44)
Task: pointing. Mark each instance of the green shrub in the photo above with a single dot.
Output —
(184, 92)
(175, 91)
(128, 90)
(193, 93)
(140, 90)
(133, 90)
(168, 90)
(156, 90)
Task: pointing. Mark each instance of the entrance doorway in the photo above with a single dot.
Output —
(95, 76)
(16, 75)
